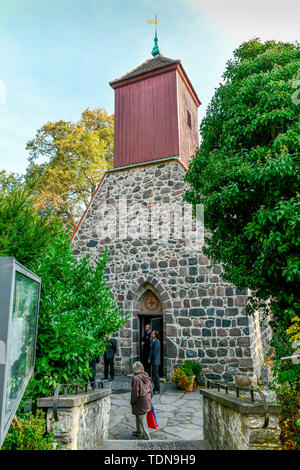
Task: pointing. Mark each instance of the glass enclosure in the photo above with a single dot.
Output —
(21, 341)
(19, 306)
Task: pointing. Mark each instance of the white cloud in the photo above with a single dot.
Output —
(241, 20)
(2, 92)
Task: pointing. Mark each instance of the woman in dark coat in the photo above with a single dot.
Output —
(141, 394)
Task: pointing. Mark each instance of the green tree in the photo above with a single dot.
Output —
(77, 311)
(75, 155)
(246, 173)
(24, 233)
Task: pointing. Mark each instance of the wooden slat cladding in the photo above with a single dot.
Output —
(155, 117)
(146, 123)
(188, 122)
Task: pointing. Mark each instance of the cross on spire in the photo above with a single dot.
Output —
(155, 51)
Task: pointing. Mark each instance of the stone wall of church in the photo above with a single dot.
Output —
(204, 317)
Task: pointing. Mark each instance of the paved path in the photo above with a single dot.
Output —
(179, 414)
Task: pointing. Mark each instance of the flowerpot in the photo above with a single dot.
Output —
(191, 387)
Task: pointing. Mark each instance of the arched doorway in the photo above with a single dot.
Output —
(151, 312)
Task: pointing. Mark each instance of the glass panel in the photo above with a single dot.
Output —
(22, 338)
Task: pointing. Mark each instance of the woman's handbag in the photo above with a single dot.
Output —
(151, 419)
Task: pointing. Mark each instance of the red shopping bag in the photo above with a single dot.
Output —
(151, 419)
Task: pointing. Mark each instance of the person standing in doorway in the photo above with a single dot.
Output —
(109, 356)
(146, 343)
(154, 360)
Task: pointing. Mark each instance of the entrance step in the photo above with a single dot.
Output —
(155, 445)
(162, 380)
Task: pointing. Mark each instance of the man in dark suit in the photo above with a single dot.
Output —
(154, 360)
(109, 358)
(146, 342)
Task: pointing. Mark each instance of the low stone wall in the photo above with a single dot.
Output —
(231, 423)
(83, 419)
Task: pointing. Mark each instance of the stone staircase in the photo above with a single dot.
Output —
(155, 445)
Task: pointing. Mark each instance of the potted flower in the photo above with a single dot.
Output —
(183, 380)
(197, 371)
(184, 376)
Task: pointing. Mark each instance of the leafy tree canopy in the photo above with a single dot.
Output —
(246, 173)
(76, 153)
(77, 309)
(24, 233)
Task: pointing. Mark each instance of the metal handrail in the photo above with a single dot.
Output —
(251, 390)
(76, 386)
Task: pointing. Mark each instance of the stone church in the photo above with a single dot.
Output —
(158, 278)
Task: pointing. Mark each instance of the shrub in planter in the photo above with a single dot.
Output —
(194, 368)
(182, 379)
(188, 369)
(184, 375)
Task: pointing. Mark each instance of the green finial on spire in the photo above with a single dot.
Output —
(155, 51)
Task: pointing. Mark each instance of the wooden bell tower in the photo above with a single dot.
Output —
(156, 113)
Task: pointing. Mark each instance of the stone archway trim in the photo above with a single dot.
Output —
(163, 293)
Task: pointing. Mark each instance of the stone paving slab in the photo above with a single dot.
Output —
(179, 414)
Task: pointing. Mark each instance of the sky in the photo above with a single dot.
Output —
(57, 57)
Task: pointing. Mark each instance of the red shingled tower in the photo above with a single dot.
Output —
(155, 113)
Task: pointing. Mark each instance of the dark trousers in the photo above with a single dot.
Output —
(145, 362)
(93, 367)
(110, 363)
(155, 378)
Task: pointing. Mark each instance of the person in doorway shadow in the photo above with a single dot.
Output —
(154, 360)
(109, 356)
(146, 343)
(93, 365)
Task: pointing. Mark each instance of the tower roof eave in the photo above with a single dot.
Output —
(152, 67)
(146, 67)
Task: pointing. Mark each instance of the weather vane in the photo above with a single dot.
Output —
(154, 22)
(155, 51)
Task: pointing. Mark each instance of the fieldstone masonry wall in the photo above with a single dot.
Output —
(83, 419)
(240, 424)
(203, 316)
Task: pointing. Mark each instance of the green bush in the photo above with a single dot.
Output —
(24, 233)
(191, 368)
(77, 312)
(28, 433)
(288, 396)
